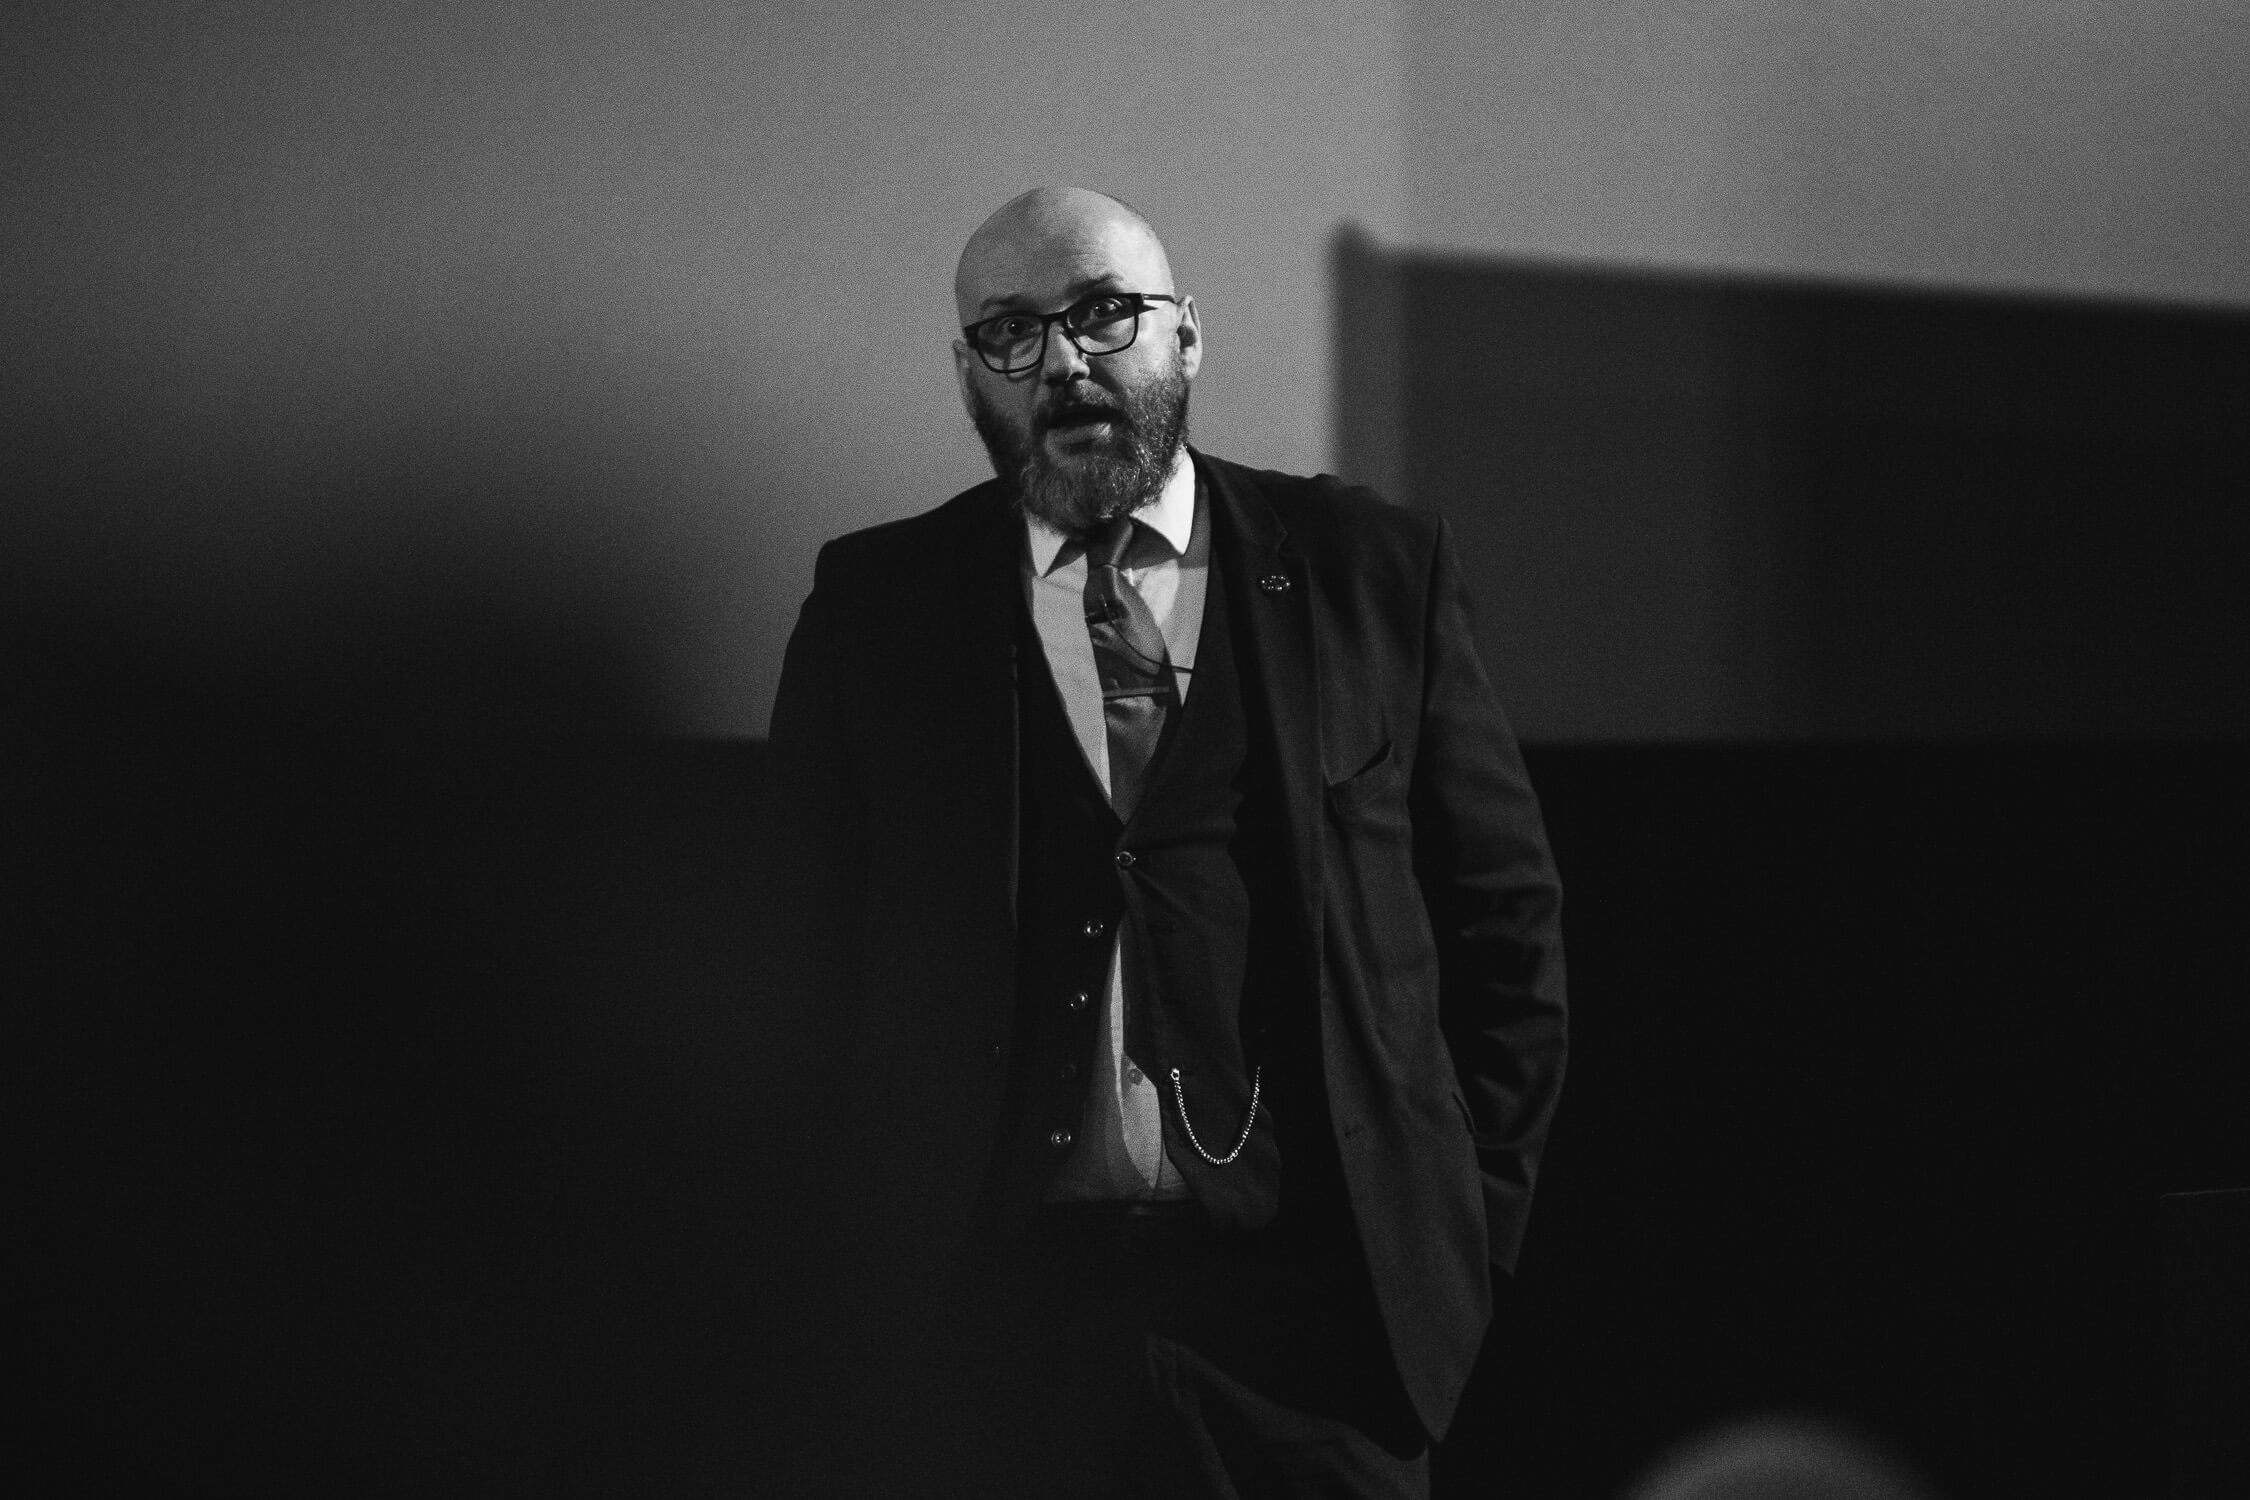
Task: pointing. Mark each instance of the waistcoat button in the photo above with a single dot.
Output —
(1078, 1000)
(1126, 859)
(1066, 1071)
(1275, 583)
(1058, 1139)
(1094, 927)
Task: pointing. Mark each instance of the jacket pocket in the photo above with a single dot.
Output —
(1372, 780)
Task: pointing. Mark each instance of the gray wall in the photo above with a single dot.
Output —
(580, 326)
(327, 320)
(1681, 344)
(2096, 147)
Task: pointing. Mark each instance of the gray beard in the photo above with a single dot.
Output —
(1148, 427)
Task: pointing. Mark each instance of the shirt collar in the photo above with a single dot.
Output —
(1171, 515)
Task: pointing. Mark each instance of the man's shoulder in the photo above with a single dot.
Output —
(912, 540)
(1315, 508)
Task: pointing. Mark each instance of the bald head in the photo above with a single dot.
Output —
(1085, 420)
(1051, 240)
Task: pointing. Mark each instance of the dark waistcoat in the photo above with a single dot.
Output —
(1192, 883)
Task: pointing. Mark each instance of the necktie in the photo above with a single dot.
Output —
(1129, 656)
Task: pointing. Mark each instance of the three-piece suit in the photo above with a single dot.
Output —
(1407, 991)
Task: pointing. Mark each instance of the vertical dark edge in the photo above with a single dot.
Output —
(1367, 382)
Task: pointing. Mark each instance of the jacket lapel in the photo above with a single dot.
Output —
(1272, 590)
(1271, 587)
(976, 733)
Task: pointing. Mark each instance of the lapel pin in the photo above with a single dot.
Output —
(1275, 583)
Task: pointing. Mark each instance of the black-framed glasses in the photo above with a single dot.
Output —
(1098, 323)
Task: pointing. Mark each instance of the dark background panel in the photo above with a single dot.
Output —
(1701, 507)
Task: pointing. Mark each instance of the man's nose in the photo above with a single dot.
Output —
(1062, 361)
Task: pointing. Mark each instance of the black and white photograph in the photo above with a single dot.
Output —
(1108, 750)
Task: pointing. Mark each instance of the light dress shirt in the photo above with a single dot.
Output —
(1120, 1148)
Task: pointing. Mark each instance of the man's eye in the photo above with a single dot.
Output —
(1104, 310)
(1011, 330)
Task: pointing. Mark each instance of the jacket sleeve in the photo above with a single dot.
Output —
(1489, 884)
(814, 821)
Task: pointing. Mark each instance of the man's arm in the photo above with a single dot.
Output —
(815, 819)
(1494, 903)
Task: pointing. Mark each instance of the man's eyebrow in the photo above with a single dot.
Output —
(1010, 301)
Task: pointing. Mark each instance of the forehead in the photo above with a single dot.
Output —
(1048, 264)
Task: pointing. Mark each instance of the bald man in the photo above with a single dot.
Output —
(1185, 923)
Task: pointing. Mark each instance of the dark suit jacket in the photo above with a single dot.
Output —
(1426, 897)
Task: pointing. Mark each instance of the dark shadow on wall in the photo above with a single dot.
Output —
(469, 544)
(393, 1115)
(1714, 507)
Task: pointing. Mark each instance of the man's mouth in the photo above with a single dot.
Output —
(1078, 417)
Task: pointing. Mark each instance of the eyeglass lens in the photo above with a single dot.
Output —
(1100, 324)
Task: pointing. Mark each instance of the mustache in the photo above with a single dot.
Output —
(1075, 408)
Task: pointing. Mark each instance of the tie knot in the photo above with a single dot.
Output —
(1107, 545)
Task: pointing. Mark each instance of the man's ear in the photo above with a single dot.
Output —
(1190, 335)
(961, 361)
